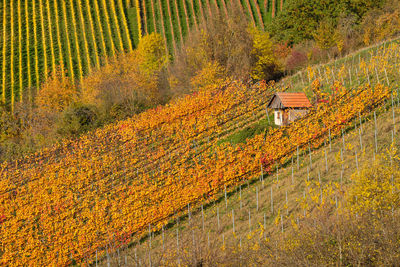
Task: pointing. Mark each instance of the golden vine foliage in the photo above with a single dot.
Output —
(208, 77)
(376, 187)
(110, 185)
(361, 228)
(66, 202)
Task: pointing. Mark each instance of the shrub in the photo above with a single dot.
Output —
(131, 81)
(9, 125)
(375, 188)
(363, 231)
(152, 55)
(325, 35)
(296, 60)
(381, 24)
(126, 108)
(266, 66)
(77, 119)
(338, 240)
(210, 75)
(221, 41)
(57, 93)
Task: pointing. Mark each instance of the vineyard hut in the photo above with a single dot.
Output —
(288, 107)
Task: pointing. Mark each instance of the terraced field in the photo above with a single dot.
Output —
(39, 35)
(173, 18)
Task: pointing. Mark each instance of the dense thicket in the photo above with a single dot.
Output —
(300, 19)
(317, 31)
(224, 47)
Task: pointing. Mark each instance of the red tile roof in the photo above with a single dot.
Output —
(294, 100)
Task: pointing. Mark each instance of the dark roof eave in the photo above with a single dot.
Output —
(293, 108)
(272, 99)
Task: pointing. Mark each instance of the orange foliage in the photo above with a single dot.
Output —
(67, 202)
(57, 92)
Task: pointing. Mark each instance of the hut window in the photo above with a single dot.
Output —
(278, 115)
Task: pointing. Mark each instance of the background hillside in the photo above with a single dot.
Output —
(39, 35)
(173, 19)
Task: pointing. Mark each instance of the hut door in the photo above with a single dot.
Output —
(285, 117)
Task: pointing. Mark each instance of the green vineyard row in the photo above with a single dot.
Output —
(173, 18)
(39, 35)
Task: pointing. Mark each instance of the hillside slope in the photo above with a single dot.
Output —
(174, 18)
(230, 228)
(106, 163)
(40, 35)
(107, 187)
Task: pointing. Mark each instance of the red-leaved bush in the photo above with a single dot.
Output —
(296, 60)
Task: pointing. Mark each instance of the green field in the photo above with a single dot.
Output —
(178, 16)
(39, 35)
